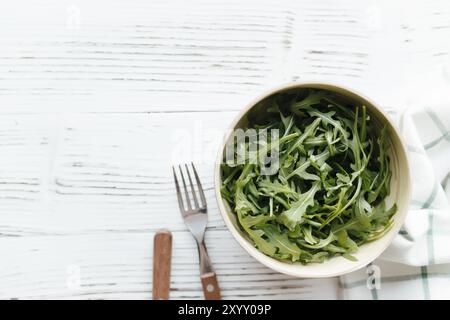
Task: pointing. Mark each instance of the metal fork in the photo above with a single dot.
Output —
(194, 212)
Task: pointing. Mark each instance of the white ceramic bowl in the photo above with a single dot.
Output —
(400, 193)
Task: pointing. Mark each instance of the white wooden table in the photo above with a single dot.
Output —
(97, 99)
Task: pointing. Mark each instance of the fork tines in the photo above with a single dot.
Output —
(192, 201)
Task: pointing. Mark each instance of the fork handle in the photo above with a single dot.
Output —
(211, 289)
(162, 254)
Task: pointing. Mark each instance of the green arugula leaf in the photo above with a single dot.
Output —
(290, 218)
(286, 248)
(329, 193)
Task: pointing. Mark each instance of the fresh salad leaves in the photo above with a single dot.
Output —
(327, 196)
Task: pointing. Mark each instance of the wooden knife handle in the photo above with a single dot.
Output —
(210, 286)
(162, 256)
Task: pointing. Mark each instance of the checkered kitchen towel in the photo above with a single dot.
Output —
(417, 264)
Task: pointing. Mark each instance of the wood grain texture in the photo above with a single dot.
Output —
(162, 259)
(84, 198)
(211, 288)
(97, 99)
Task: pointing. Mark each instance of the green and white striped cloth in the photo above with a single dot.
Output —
(417, 264)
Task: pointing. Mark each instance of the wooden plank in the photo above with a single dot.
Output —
(118, 265)
(83, 194)
(148, 57)
(97, 99)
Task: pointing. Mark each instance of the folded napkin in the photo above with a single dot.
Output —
(417, 264)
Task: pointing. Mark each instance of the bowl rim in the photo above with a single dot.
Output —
(250, 248)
